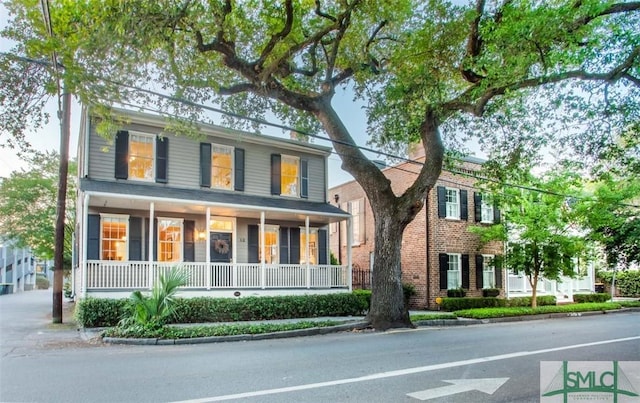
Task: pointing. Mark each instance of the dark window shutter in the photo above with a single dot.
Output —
(464, 206)
(497, 264)
(322, 246)
(304, 178)
(496, 214)
(477, 206)
(275, 174)
(93, 237)
(189, 241)
(122, 155)
(162, 159)
(479, 268)
(238, 169)
(465, 271)
(284, 245)
(252, 242)
(294, 245)
(205, 165)
(442, 202)
(443, 259)
(135, 238)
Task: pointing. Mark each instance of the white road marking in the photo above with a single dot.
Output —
(402, 372)
(486, 385)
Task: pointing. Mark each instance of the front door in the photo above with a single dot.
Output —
(221, 247)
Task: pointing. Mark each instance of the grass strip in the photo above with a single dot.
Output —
(487, 313)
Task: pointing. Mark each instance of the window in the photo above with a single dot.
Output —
(114, 233)
(289, 176)
(454, 274)
(221, 224)
(453, 203)
(488, 272)
(486, 209)
(271, 234)
(356, 208)
(221, 167)
(170, 239)
(313, 245)
(141, 154)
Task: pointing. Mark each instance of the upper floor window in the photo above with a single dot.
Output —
(485, 210)
(170, 239)
(221, 167)
(452, 203)
(114, 231)
(289, 176)
(141, 156)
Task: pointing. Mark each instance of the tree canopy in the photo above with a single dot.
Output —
(514, 75)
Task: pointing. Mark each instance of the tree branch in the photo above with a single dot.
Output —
(320, 13)
(237, 88)
(474, 45)
(288, 23)
(616, 8)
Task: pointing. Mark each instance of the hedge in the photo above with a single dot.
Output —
(597, 297)
(94, 312)
(456, 304)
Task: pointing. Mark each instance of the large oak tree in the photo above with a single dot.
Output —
(513, 74)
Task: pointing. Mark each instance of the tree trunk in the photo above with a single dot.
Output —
(58, 258)
(388, 308)
(534, 290)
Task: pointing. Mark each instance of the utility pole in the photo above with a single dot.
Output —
(58, 261)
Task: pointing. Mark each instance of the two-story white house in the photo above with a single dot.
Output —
(242, 213)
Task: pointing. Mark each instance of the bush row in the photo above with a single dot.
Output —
(99, 312)
(627, 282)
(456, 304)
(597, 297)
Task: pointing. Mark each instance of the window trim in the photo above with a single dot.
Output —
(268, 227)
(486, 209)
(153, 138)
(290, 158)
(459, 276)
(118, 216)
(231, 151)
(457, 204)
(303, 247)
(493, 271)
(180, 243)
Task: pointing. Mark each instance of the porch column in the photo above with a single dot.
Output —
(208, 249)
(152, 207)
(306, 229)
(263, 272)
(85, 242)
(349, 252)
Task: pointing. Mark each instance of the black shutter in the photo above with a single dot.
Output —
(294, 245)
(304, 178)
(189, 241)
(477, 206)
(93, 237)
(496, 214)
(443, 259)
(284, 245)
(122, 155)
(442, 202)
(322, 246)
(135, 238)
(497, 267)
(205, 165)
(238, 168)
(479, 269)
(275, 174)
(464, 206)
(465, 271)
(253, 242)
(162, 159)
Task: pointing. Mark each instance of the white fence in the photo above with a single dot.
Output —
(142, 275)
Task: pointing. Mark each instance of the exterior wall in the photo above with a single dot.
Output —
(184, 167)
(424, 238)
(17, 269)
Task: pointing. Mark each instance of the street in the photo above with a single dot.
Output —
(402, 365)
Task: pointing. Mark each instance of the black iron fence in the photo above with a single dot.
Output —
(361, 278)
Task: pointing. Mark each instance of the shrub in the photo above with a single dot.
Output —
(526, 301)
(456, 293)
(456, 304)
(627, 282)
(597, 297)
(100, 312)
(490, 292)
(408, 290)
(365, 296)
(42, 283)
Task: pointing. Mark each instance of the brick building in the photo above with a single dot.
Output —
(438, 251)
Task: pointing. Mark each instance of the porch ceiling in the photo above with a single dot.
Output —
(130, 196)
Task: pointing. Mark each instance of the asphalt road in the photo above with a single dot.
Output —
(395, 366)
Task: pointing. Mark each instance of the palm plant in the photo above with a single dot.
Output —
(156, 309)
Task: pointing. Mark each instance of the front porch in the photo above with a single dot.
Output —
(563, 290)
(124, 277)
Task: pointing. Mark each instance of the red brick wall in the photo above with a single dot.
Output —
(444, 235)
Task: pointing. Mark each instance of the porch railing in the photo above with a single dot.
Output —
(139, 275)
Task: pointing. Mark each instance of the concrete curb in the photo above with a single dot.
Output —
(356, 325)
